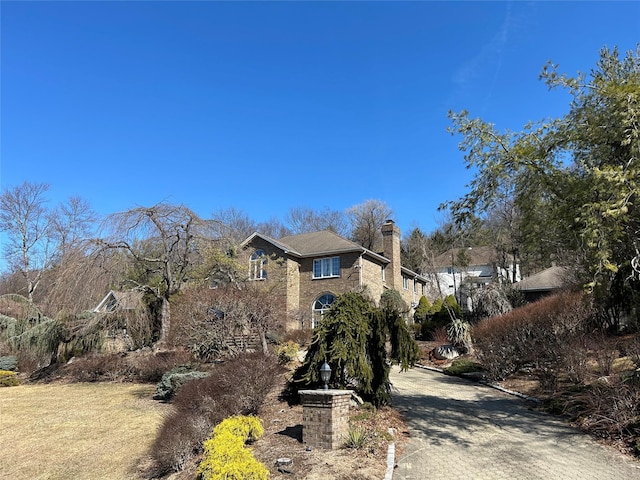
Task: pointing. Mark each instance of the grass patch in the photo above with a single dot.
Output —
(60, 431)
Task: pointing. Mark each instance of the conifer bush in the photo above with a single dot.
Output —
(287, 352)
(9, 362)
(225, 455)
(8, 378)
(352, 337)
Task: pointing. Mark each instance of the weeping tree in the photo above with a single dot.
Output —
(352, 338)
(26, 332)
(160, 242)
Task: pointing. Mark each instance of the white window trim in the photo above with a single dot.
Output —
(257, 263)
(318, 313)
(330, 262)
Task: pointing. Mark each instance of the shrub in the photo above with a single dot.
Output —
(130, 367)
(356, 437)
(177, 442)
(9, 363)
(225, 456)
(8, 379)
(459, 333)
(97, 368)
(287, 352)
(300, 336)
(417, 330)
(174, 379)
(463, 365)
(441, 313)
(608, 410)
(440, 335)
(422, 310)
(235, 387)
(150, 368)
(248, 427)
(539, 335)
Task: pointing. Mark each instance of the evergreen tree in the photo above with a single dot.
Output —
(352, 338)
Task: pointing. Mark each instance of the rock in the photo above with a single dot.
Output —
(356, 399)
(445, 352)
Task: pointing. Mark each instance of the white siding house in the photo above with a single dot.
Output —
(463, 271)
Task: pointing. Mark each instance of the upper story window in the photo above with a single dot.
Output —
(257, 264)
(415, 286)
(384, 273)
(326, 267)
(405, 282)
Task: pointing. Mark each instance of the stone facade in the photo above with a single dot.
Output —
(325, 418)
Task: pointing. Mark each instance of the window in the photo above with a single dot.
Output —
(384, 274)
(326, 267)
(320, 306)
(257, 264)
(415, 286)
(405, 283)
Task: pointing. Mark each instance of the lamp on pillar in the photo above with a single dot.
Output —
(325, 375)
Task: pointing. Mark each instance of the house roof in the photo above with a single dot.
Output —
(548, 279)
(316, 244)
(123, 300)
(476, 255)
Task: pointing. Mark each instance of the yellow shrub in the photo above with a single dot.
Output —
(248, 428)
(287, 352)
(225, 456)
(8, 378)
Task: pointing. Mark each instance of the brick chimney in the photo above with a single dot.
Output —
(391, 250)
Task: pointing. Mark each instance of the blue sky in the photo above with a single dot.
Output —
(271, 105)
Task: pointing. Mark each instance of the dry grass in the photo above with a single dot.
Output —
(80, 431)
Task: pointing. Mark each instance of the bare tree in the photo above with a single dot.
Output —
(306, 220)
(273, 228)
(209, 321)
(160, 241)
(232, 225)
(71, 223)
(25, 221)
(366, 221)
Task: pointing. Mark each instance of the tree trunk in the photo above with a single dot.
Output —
(263, 341)
(165, 321)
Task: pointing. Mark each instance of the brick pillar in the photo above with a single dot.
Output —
(325, 417)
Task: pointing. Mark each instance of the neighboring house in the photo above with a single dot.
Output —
(463, 271)
(114, 300)
(308, 271)
(542, 283)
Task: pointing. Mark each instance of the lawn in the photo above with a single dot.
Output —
(80, 431)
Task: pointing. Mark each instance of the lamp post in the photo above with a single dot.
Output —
(325, 375)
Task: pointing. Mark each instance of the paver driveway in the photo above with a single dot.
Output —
(463, 430)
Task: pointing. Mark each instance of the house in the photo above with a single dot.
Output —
(463, 271)
(114, 300)
(542, 283)
(309, 270)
